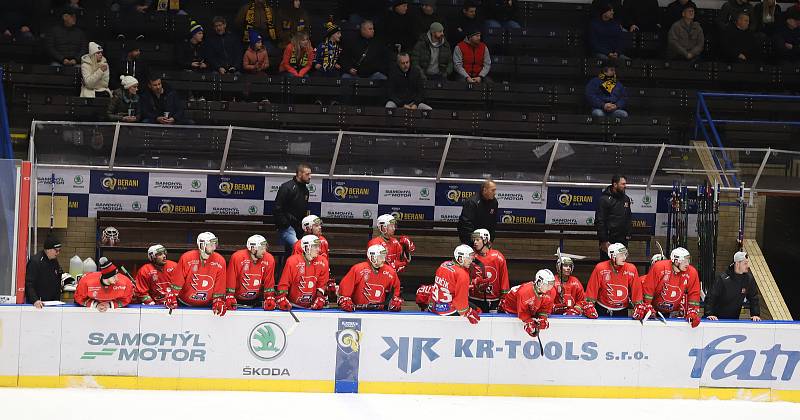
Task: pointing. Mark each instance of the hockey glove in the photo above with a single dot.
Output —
(531, 328)
(330, 290)
(424, 296)
(171, 299)
(319, 302)
(572, 310)
(283, 303)
(230, 302)
(269, 303)
(473, 315)
(589, 311)
(693, 317)
(218, 306)
(396, 304)
(642, 310)
(346, 304)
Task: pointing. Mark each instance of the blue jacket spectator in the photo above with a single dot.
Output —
(605, 94)
(606, 37)
(223, 49)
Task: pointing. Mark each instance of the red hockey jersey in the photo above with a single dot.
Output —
(526, 303)
(566, 295)
(249, 280)
(450, 290)
(367, 287)
(394, 252)
(323, 247)
(198, 282)
(495, 274)
(613, 287)
(666, 289)
(152, 282)
(304, 281)
(91, 291)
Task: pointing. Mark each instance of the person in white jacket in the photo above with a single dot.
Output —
(94, 73)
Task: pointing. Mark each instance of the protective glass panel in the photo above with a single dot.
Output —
(499, 159)
(67, 143)
(8, 193)
(598, 162)
(741, 164)
(685, 164)
(280, 151)
(782, 172)
(170, 147)
(388, 155)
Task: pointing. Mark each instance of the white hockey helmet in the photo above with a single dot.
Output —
(255, 242)
(656, 258)
(308, 242)
(544, 281)
(463, 255)
(616, 249)
(154, 250)
(309, 221)
(679, 254)
(204, 239)
(564, 261)
(483, 234)
(384, 221)
(376, 254)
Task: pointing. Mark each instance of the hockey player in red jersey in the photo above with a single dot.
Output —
(200, 278)
(312, 225)
(398, 249)
(304, 278)
(487, 290)
(567, 294)
(673, 287)
(251, 276)
(105, 289)
(369, 284)
(450, 293)
(154, 278)
(653, 260)
(531, 302)
(614, 286)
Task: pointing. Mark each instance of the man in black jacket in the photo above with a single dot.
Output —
(291, 205)
(159, 104)
(406, 86)
(363, 55)
(613, 215)
(43, 275)
(66, 43)
(478, 212)
(727, 294)
(223, 49)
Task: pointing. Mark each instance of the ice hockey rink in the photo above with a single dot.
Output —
(83, 403)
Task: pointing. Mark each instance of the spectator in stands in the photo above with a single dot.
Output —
(605, 94)
(730, 289)
(406, 87)
(326, 57)
(730, 11)
(426, 14)
(223, 50)
(124, 103)
(66, 43)
(606, 37)
(159, 104)
(259, 16)
(612, 218)
(292, 19)
(255, 60)
(766, 17)
(298, 56)
(501, 14)
(192, 53)
(16, 17)
(133, 16)
(291, 206)
(363, 55)
(432, 54)
(685, 37)
(739, 44)
(787, 38)
(674, 12)
(94, 73)
(132, 63)
(468, 18)
(398, 27)
(479, 212)
(471, 59)
(43, 274)
(641, 15)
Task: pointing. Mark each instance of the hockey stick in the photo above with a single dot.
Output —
(646, 317)
(52, 200)
(661, 318)
(296, 323)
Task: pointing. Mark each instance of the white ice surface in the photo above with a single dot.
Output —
(73, 403)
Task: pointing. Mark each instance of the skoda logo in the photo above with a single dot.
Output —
(366, 214)
(424, 192)
(646, 200)
(78, 180)
(311, 188)
(536, 196)
(590, 221)
(252, 210)
(196, 183)
(136, 206)
(267, 341)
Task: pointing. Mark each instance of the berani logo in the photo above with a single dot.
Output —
(267, 341)
(183, 347)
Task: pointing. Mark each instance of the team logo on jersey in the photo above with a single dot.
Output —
(373, 292)
(307, 284)
(616, 293)
(251, 281)
(267, 341)
(202, 282)
(670, 294)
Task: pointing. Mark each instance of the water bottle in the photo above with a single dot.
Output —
(89, 266)
(75, 266)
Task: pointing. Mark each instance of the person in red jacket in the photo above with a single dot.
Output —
(450, 292)
(567, 294)
(105, 289)
(200, 278)
(369, 284)
(531, 302)
(251, 276)
(614, 285)
(399, 250)
(471, 59)
(298, 56)
(154, 278)
(673, 287)
(312, 225)
(304, 278)
(490, 287)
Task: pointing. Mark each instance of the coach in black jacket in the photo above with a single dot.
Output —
(725, 299)
(613, 215)
(291, 205)
(478, 212)
(43, 274)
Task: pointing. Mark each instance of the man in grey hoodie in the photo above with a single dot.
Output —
(432, 54)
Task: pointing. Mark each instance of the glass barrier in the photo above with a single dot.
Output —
(390, 155)
(499, 159)
(8, 193)
(598, 162)
(155, 146)
(280, 151)
(71, 143)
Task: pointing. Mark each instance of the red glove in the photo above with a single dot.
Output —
(330, 290)
(230, 302)
(408, 247)
(473, 315)
(693, 317)
(531, 328)
(269, 303)
(641, 310)
(572, 310)
(319, 302)
(171, 299)
(346, 304)
(283, 303)
(219, 307)
(424, 296)
(396, 304)
(589, 311)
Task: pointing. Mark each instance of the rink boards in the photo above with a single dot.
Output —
(332, 351)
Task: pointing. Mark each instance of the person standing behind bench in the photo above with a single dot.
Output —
(731, 287)
(43, 274)
(291, 205)
(613, 215)
(478, 212)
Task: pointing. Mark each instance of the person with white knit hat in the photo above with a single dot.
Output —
(124, 101)
(94, 73)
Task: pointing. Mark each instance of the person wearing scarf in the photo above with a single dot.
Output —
(292, 19)
(326, 61)
(605, 94)
(124, 101)
(257, 15)
(298, 56)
